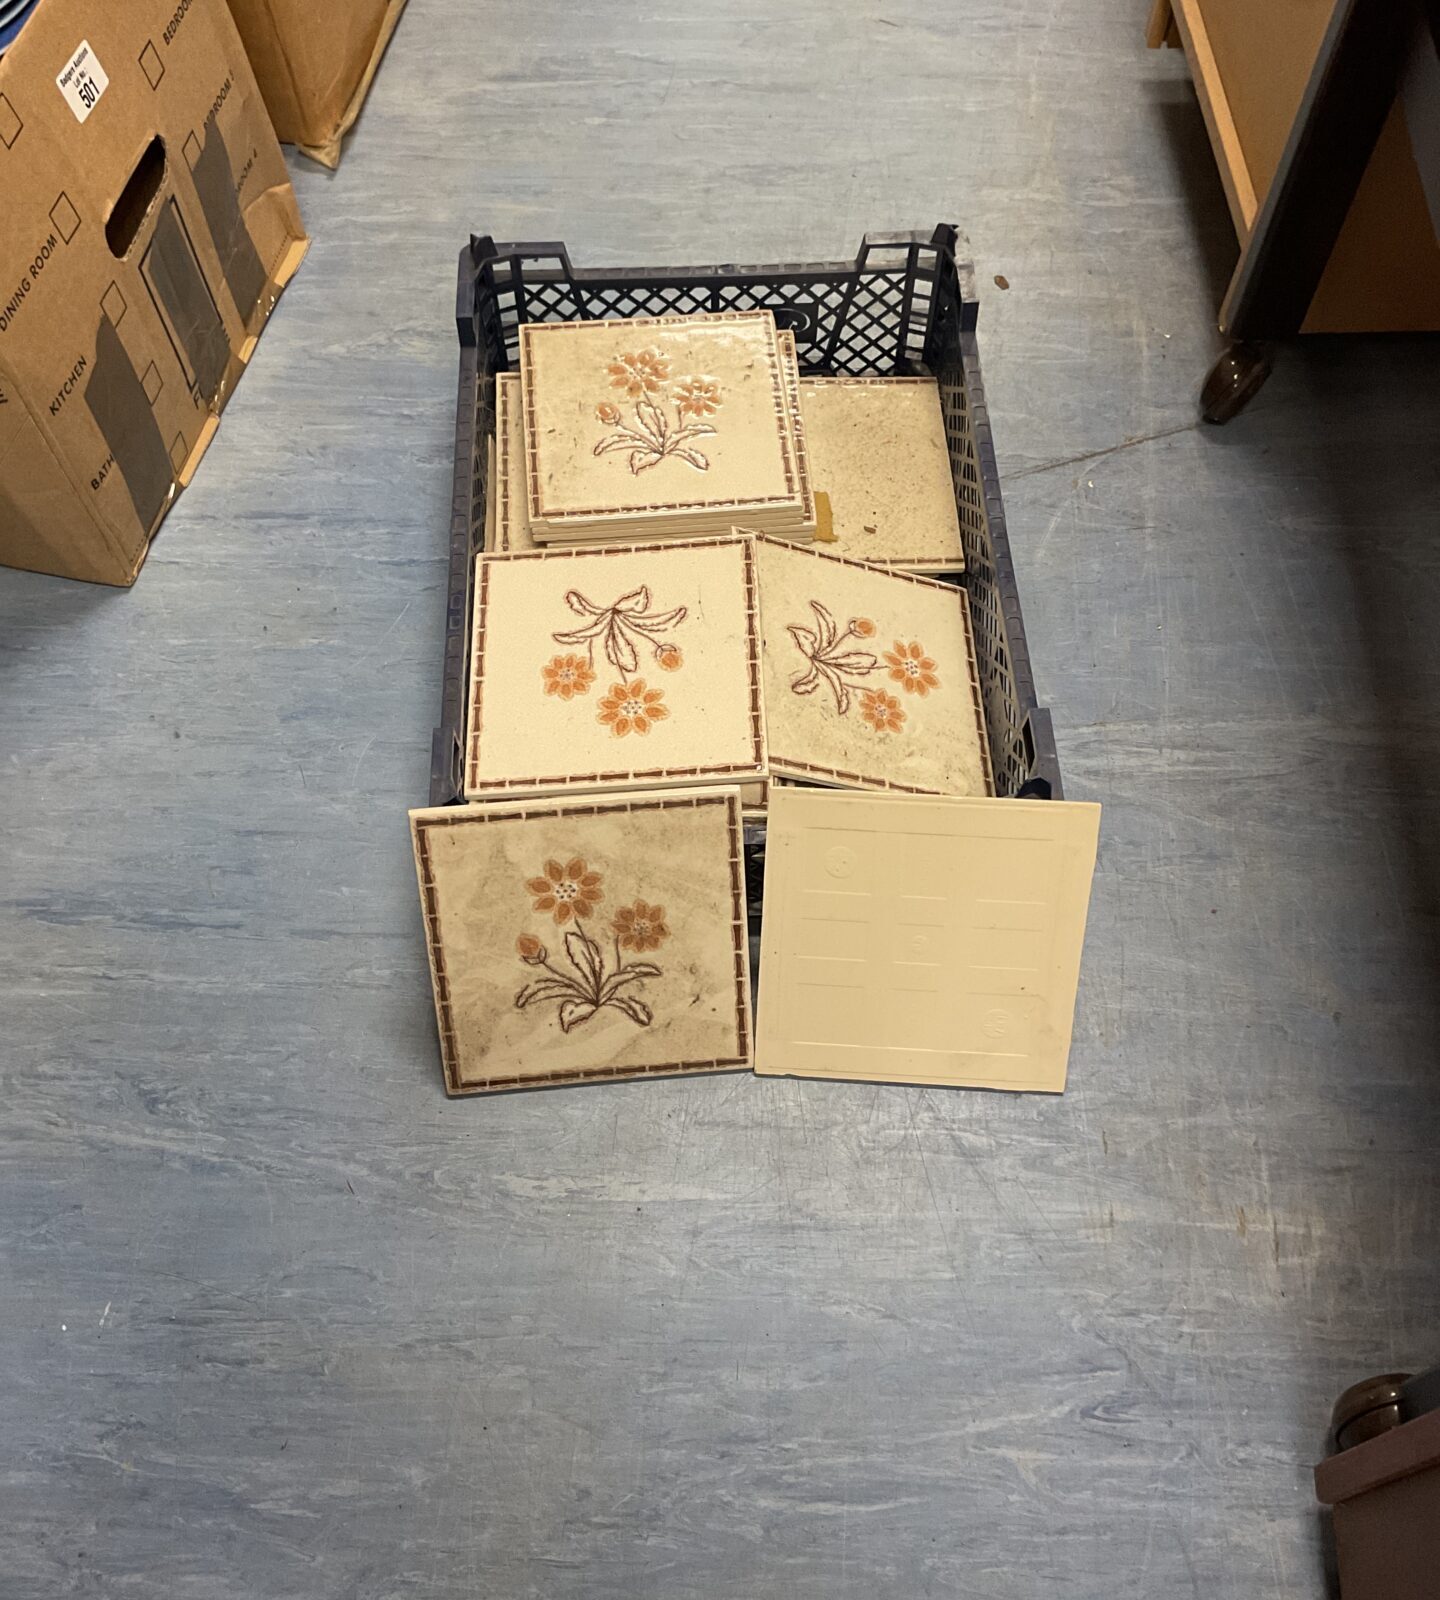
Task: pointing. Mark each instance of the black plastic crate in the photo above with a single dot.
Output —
(903, 307)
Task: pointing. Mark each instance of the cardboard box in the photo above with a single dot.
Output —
(149, 229)
(315, 61)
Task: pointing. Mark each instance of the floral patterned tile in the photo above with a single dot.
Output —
(870, 678)
(576, 940)
(657, 418)
(877, 449)
(633, 666)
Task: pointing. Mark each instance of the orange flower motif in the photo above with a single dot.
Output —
(532, 952)
(566, 891)
(669, 657)
(697, 397)
(568, 676)
(863, 628)
(640, 373)
(882, 711)
(632, 708)
(912, 669)
(640, 927)
(607, 413)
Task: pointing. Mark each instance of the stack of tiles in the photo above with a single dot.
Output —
(659, 427)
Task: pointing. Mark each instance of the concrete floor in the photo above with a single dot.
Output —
(277, 1320)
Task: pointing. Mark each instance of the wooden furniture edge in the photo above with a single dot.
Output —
(1412, 1447)
(1219, 120)
(1160, 31)
(1347, 101)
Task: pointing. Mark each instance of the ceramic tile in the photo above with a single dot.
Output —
(755, 797)
(586, 939)
(795, 418)
(655, 419)
(877, 448)
(869, 675)
(628, 667)
(491, 488)
(512, 515)
(927, 941)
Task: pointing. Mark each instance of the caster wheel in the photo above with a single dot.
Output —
(1367, 1409)
(1234, 381)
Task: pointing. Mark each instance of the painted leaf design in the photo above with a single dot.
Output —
(584, 956)
(580, 605)
(591, 630)
(828, 630)
(636, 1010)
(619, 651)
(807, 682)
(857, 661)
(574, 1012)
(633, 974)
(546, 989)
(652, 419)
(693, 457)
(636, 600)
(839, 686)
(660, 621)
(639, 463)
(616, 441)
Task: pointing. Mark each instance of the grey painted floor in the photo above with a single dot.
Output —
(279, 1321)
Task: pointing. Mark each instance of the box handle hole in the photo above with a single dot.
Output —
(136, 198)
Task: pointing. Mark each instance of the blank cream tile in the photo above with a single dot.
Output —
(876, 447)
(869, 676)
(912, 940)
(656, 417)
(575, 940)
(635, 666)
